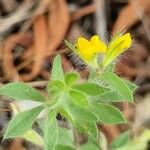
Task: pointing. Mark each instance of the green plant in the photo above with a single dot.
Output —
(81, 102)
(124, 142)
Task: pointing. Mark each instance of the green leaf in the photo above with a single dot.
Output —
(70, 46)
(33, 137)
(110, 67)
(63, 147)
(20, 91)
(110, 96)
(71, 77)
(57, 71)
(66, 115)
(79, 114)
(131, 85)
(63, 134)
(94, 77)
(56, 83)
(22, 122)
(89, 146)
(118, 85)
(79, 98)
(107, 114)
(51, 132)
(88, 88)
(82, 119)
(55, 88)
(121, 140)
(139, 142)
(91, 129)
(113, 96)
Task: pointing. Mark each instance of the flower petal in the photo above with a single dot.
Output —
(84, 48)
(82, 44)
(121, 43)
(116, 47)
(98, 45)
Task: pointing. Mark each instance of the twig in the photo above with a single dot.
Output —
(8, 5)
(91, 8)
(5, 110)
(30, 59)
(19, 15)
(101, 23)
(38, 83)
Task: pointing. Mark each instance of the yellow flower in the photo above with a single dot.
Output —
(121, 43)
(87, 50)
(117, 46)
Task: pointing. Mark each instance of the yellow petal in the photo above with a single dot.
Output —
(88, 50)
(98, 45)
(86, 54)
(126, 41)
(95, 40)
(84, 48)
(116, 47)
(82, 43)
(121, 43)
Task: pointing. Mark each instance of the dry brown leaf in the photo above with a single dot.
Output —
(130, 14)
(130, 72)
(58, 21)
(17, 145)
(67, 66)
(111, 131)
(40, 39)
(91, 8)
(8, 67)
